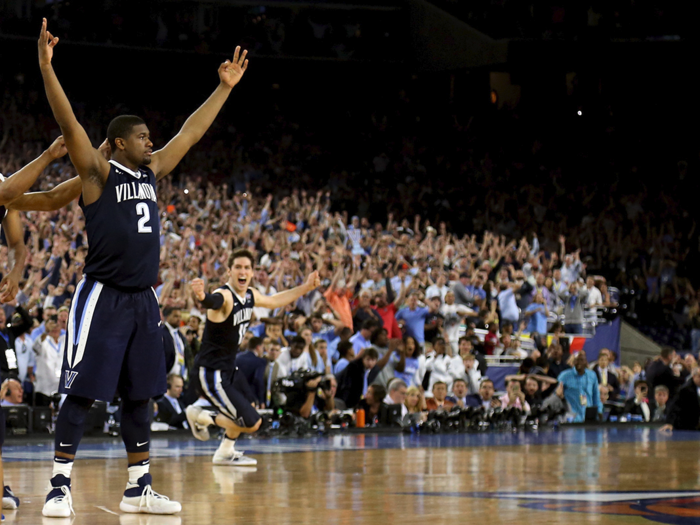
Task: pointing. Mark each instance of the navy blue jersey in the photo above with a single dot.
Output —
(220, 341)
(123, 230)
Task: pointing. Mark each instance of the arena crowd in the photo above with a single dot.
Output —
(421, 280)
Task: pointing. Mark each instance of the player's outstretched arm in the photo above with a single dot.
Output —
(17, 255)
(91, 165)
(230, 73)
(18, 183)
(51, 200)
(210, 301)
(281, 299)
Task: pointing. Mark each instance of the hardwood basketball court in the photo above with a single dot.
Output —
(621, 476)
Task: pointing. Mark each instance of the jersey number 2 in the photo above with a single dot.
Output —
(142, 209)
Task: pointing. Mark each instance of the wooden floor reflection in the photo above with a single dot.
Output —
(413, 486)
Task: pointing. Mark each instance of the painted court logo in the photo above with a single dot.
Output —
(681, 507)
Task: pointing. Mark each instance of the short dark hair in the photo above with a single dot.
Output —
(254, 342)
(237, 254)
(641, 382)
(436, 383)
(121, 127)
(379, 391)
(486, 380)
(371, 353)
(457, 381)
(168, 310)
(297, 340)
(373, 338)
(344, 347)
(368, 324)
(667, 351)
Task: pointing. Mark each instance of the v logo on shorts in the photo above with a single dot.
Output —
(70, 377)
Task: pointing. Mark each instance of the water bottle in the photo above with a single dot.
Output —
(360, 418)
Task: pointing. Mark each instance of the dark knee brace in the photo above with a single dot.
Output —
(70, 423)
(136, 426)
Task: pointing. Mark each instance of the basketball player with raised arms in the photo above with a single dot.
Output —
(113, 343)
(229, 310)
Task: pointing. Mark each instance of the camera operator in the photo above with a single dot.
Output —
(299, 392)
(515, 397)
(354, 380)
(372, 403)
(397, 395)
(325, 396)
(485, 398)
(640, 405)
(306, 409)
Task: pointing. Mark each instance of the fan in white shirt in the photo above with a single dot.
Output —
(49, 358)
(466, 369)
(438, 366)
(291, 359)
(439, 289)
(454, 314)
(595, 298)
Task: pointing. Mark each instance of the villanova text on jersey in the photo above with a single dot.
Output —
(123, 230)
(220, 341)
(132, 190)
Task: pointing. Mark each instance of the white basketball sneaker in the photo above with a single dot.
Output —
(145, 519)
(237, 459)
(59, 503)
(140, 498)
(199, 421)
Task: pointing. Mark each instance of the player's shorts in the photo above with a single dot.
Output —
(217, 386)
(113, 344)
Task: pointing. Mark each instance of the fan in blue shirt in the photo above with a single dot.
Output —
(414, 318)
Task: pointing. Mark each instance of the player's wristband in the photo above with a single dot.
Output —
(212, 301)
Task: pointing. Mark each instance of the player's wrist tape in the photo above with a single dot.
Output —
(212, 301)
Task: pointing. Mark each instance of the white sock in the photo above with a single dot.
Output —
(226, 446)
(62, 467)
(138, 470)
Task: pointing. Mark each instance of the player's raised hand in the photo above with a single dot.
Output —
(58, 148)
(230, 72)
(313, 281)
(46, 44)
(9, 286)
(197, 287)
